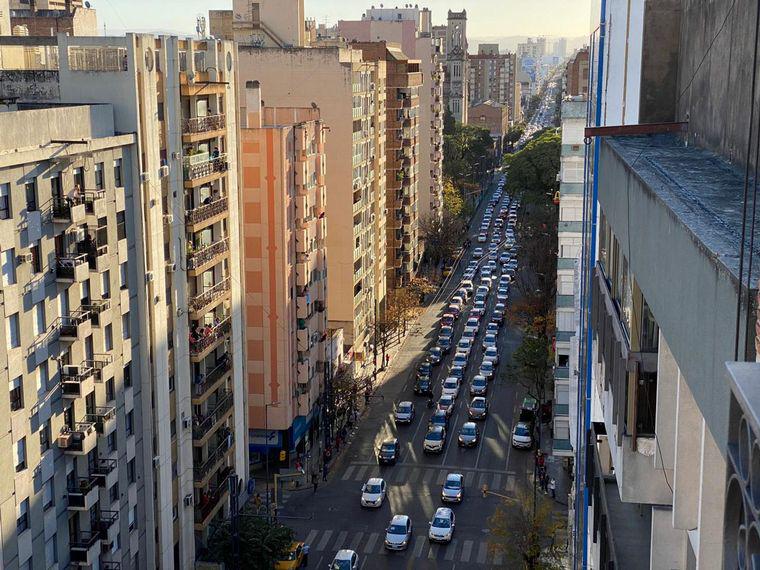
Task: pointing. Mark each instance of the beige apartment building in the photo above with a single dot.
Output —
(402, 159)
(493, 76)
(179, 98)
(283, 195)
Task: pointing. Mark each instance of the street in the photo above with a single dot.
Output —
(332, 518)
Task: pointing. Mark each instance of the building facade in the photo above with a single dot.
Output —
(576, 74)
(494, 76)
(284, 231)
(69, 18)
(455, 86)
(493, 116)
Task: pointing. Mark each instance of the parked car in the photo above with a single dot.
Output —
(522, 436)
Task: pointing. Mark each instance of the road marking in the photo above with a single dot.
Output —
(401, 475)
(338, 544)
(482, 480)
(497, 481)
(370, 546)
(414, 473)
(441, 477)
(325, 540)
(433, 551)
(347, 473)
(428, 476)
(482, 553)
(419, 543)
(510, 486)
(451, 550)
(355, 541)
(467, 479)
(359, 476)
(457, 468)
(311, 536)
(466, 551)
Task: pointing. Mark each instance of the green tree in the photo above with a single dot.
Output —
(262, 543)
(453, 203)
(533, 170)
(513, 135)
(531, 362)
(534, 103)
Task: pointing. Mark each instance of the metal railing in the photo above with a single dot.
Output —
(102, 415)
(209, 502)
(204, 382)
(209, 296)
(203, 124)
(217, 332)
(103, 468)
(202, 424)
(206, 211)
(65, 265)
(199, 473)
(202, 168)
(67, 325)
(78, 491)
(77, 435)
(99, 362)
(202, 256)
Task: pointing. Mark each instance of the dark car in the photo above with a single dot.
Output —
(468, 435)
(478, 409)
(479, 386)
(434, 355)
(439, 418)
(423, 387)
(447, 320)
(387, 454)
(444, 344)
(424, 369)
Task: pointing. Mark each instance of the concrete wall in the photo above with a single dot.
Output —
(33, 128)
(659, 61)
(5, 18)
(29, 85)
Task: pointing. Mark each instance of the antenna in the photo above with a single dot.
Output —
(200, 26)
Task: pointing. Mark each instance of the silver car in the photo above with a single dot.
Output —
(442, 525)
(398, 533)
(404, 413)
(453, 488)
(373, 492)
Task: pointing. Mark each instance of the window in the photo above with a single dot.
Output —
(130, 423)
(110, 392)
(117, 173)
(36, 258)
(105, 284)
(51, 552)
(30, 189)
(171, 383)
(570, 248)
(79, 178)
(123, 275)
(20, 455)
(128, 374)
(43, 377)
(22, 518)
(125, 331)
(45, 437)
(108, 338)
(571, 213)
(563, 360)
(14, 334)
(16, 387)
(572, 170)
(9, 267)
(84, 292)
(132, 518)
(175, 512)
(5, 201)
(121, 225)
(565, 321)
(565, 285)
(99, 183)
(48, 494)
(56, 186)
(131, 471)
(39, 319)
(113, 492)
(173, 428)
(111, 442)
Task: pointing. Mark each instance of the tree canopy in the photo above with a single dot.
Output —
(533, 170)
(262, 543)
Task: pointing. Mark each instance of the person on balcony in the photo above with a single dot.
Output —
(215, 153)
(75, 195)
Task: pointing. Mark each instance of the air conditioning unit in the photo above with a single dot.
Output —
(188, 500)
(24, 258)
(169, 219)
(149, 276)
(145, 177)
(163, 172)
(156, 461)
(64, 440)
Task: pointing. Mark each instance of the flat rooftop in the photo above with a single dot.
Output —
(702, 189)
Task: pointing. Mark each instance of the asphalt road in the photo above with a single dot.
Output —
(332, 518)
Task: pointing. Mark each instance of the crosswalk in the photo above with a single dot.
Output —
(471, 552)
(401, 475)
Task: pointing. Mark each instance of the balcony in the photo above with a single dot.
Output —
(105, 473)
(201, 259)
(202, 346)
(204, 302)
(204, 424)
(73, 327)
(85, 548)
(206, 384)
(72, 268)
(67, 212)
(101, 365)
(107, 527)
(302, 307)
(98, 260)
(96, 309)
(210, 505)
(79, 441)
(206, 214)
(95, 203)
(201, 126)
(83, 494)
(104, 419)
(77, 381)
(214, 460)
(202, 168)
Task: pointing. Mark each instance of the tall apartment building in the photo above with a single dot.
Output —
(283, 194)
(666, 450)
(493, 76)
(411, 29)
(455, 86)
(179, 97)
(576, 74)
(533, 48)
(403, 83)
(75, 402)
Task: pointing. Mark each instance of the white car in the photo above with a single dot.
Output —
(486, 369)
(465, 345)
(491, 355)
(460, 359)
(521, 436)
(477, 253)
(493, 328)
(486, 281)
(442, 525)
(398, 533)
(489, 341)
(472, 323)
(404, 413)
(481, 290)
(482, 238)
(450, 387)
(373, 492)
(453, 488)
(467, 285)
(345, 560)
(434, 442)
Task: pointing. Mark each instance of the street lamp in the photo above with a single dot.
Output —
(266, 445)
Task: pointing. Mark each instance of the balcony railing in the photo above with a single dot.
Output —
(207, 211)
(202, 256)
(202, 424)
(68, 325)
(99, 362)
(204, 382)
(200, 472)
(209, 502)
(210, 295)
(102, 417)
(73, 440)
(105, 521)
(72, 379)
(65, 265)
(202, 165)
(210, 336)
(79, 491)
(94, 309)
(81, 545)
(203, 124)
(90, 197)
(102, 469)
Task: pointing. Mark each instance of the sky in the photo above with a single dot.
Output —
(485, 18)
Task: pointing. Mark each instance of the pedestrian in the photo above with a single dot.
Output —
(387, 360)
(305, 551)
(553, 488)
(314, 481)
(324, 472)
(545, 483)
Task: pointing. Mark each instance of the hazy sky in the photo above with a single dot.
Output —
(485, 17)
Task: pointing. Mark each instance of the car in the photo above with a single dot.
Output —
(424, 368)
(465, 345)
(447, 331)
(464, 294)
(345, 560)
(460, 359)
(469, 274)
(373, 492)
(469, 435)
(387, 453)
(492, 328)
(502, 294)
(480, 297)
(454, 310)
(482, 290)
(522, 436)
(472, 322)
(478, 409)
(457, 372)
(451, 387)
(292, 558)
(529, 404)
(512, 264)
(503, 257)
(498, 315)
(487, 281)
(487, 369)
(446, 404)
(478, 386)
(467, 285)
(491, 354)
(439, 418)
(445, 345)
(458, 300)
(476, 312)
(478, 306)
(435, 354)
(399, 533)
(477, 253)
(453, 488)
(435, 439)
(457, 304)
(470, 334)
(482, 238)
(423, 386)
(404, 413)
(442, 526)
(447, 320)
(489, 341)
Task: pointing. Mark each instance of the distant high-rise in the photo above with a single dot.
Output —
(493, 76)
(455, 84)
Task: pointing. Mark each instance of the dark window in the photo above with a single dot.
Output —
(110, 392)
(56, 186)
(99, 182)
(79, 178)
(36, 258)
(563, 360)
(20, 455)
(117, 173)
(160, 111)
(30, 188)
(114, 492)
(130, 423)
(112, 442)
(128, 374)
(131, 471)
(22, 522)
(17, 394)
(121, 225)
(5, 201)
(45, 438)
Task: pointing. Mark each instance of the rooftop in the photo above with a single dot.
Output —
(702, 189)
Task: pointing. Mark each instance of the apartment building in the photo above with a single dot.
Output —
(669, 426)
(32, 19)
(494, 117)
(264, 24)
(283, 193)
(403, 83)
(455, 85)
(576, 73)
(179, 97)
(5, 18)
(493, 76)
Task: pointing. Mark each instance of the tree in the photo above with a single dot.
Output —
(453, 203)
(513, 135)
(533, 170)
(442, 235)
(262, 543)
(527, 538)
(531, 365)
(534, 103)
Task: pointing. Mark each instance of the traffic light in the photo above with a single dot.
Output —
(283, 455)
(484, 489)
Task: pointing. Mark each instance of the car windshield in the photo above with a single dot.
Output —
(435, 351)
(441, 522)
(434, 435)
(489, 338)
(468, 430)
(453, 484)
(491, 351)
(460, 358)
(479, 382)
(522, 430)
(487, 365)
(405, 408)
(478, 404)
(341, 565)
(375, 488)
(387, 447)
(397, 529)
(446, 400)
(450, 384)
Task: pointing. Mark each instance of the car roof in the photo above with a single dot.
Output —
(390, 440)
(399, 519)
(436, 428)
(374, 480)
(344, 554)
(443, 512)
(405, 403)
(469, 425)
(478, 399)
(454, 477)
(451, 379)
(479, 378)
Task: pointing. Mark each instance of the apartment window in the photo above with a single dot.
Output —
(171, 383)
(105, 284)
(43, 377)
(131, 471)
(111, 442)
(173, 428)
(56, 186)
(99, 182)
(175, 512)
(16, 388)
(39, 318)
(22, 518)
(121, 225)
(36, 258)
(30, 189)
(572, 170)
(9, 267)
(565, 285)
(110, 391)
(117, 173)
(128, 374)
(563, 360)
(565, 321)
(125, 330)
(45, 437)
(571, 213)
(48, 494)
(108, 338)
(113, 492)
(14, 334)
(123, 275)
(20, 455)
(51, 552)
(570, 248)
(79, 178)
(132, 518)
(5, 201)
(85, 292)
(130, 423)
